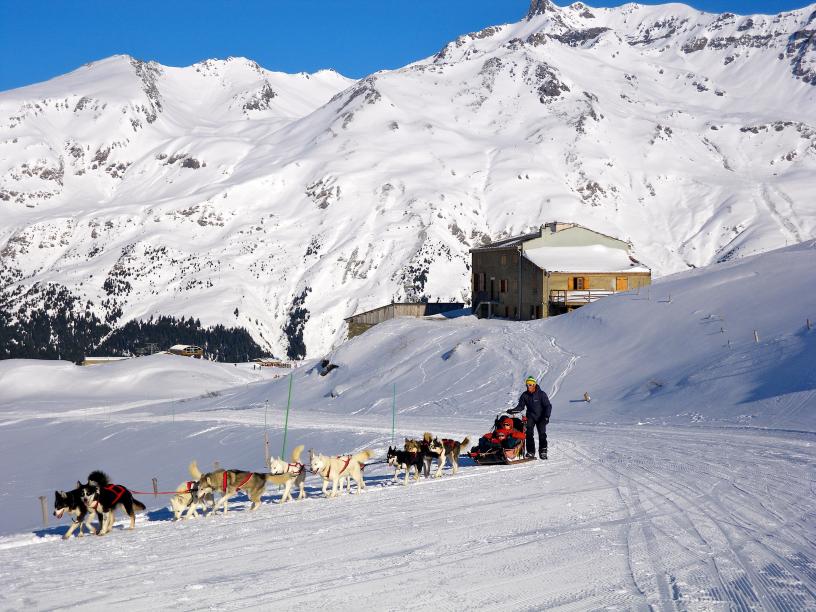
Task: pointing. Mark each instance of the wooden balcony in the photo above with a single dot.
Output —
(577, 297)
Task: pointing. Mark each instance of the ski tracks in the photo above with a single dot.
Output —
(698, 524)
(786, 220)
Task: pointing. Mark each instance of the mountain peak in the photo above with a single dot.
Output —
(540, 7)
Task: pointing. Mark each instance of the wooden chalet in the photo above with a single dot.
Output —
(554, 270)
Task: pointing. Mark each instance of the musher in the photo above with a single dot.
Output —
(538, 415)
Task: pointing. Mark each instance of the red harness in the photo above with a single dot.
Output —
(117, 490)
(224, 482)
(343, 469)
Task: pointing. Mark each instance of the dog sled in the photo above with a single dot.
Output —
(505, 444)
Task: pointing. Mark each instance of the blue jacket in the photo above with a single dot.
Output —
(537, 404)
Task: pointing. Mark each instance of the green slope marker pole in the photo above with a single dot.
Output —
(286, 420)
(394, 415)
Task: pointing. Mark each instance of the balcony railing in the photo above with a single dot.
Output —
(577, 296)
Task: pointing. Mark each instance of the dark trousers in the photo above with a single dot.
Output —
(541, 426)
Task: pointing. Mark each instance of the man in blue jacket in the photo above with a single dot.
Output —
(538, 415)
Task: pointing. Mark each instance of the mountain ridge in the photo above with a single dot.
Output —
(294, 200)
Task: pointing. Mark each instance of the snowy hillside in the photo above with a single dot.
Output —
(680, 486)
(284, 203)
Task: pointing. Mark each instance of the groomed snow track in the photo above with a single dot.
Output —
(626, 517)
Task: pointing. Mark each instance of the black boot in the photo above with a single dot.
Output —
(543, 454)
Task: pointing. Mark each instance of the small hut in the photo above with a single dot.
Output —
(186, 350)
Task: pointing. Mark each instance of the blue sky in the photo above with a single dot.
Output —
(40, 40)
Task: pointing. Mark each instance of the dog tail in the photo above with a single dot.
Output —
(464, 444)
(193, 469)
(296, 453)
(139, 506)
(427, 437)
(364, 456)
(99, 478)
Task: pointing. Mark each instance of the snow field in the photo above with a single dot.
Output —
(621, 517)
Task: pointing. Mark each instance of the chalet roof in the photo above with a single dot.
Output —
(591, 258)
(506, 243)
(555, 226)
(184, 347)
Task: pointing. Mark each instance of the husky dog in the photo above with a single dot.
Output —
(452, 451)
(71, 502)
(336, 468)
(186, 498)
(294, 467)
(102, 497)
(229, 482)
(413, 446)
(432, 449)
(404, 460)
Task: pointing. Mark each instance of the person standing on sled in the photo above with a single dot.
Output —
(538, 415)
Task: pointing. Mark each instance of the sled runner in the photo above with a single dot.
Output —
(504, 444)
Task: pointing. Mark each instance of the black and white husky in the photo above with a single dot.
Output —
(71, 502)
(102, 497)
(432, 449)
(404, 460)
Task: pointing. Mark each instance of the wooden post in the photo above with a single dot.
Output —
(807, 323)
(394, 414)
(155, 487)
(756, 336)
(44, 511)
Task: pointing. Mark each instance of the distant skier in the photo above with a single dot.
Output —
(538, 415)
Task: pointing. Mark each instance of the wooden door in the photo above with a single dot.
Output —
(621, 283)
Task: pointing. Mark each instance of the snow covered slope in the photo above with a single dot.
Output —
(691, 492)
(283, 203)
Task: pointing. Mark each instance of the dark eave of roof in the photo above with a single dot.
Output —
(507, 242)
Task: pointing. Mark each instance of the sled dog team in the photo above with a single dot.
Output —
(99, 498)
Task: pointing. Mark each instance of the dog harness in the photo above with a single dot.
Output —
(294, 468)
(117, 490)
(246, 480)
(343, 469)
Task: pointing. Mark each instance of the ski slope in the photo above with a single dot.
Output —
(695, 494)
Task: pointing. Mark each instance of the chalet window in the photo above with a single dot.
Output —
(503, 285)
(580, 283)
(504, 260)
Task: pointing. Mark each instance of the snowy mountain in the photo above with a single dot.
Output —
(284, 203)
(686, 483)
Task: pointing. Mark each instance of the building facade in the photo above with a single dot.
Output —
(363, 321)
(561, 267)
